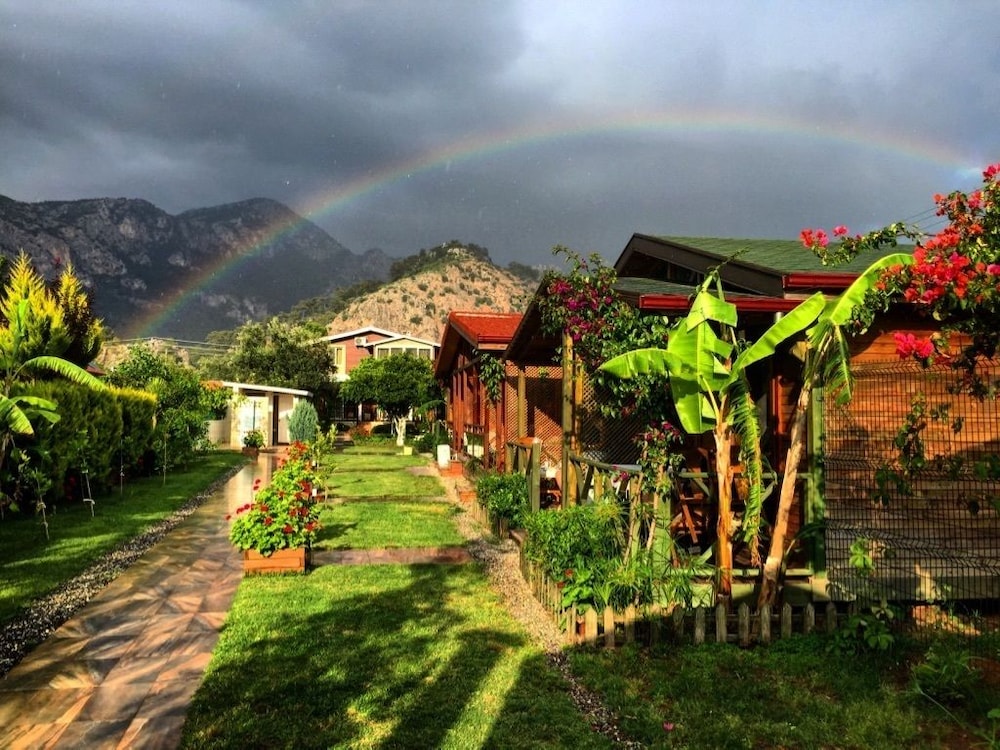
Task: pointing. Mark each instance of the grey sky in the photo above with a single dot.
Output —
(514, 125)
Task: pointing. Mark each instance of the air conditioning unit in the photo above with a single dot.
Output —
(361, 341)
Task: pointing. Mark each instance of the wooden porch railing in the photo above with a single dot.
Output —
(524, 455)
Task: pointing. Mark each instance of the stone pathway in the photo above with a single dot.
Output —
(121, 671)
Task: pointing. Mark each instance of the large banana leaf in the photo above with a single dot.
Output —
(827, 343)
(709, 307)
(67, 369)
(13, 419)
(796, 321)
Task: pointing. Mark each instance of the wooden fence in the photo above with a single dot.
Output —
(654, 624)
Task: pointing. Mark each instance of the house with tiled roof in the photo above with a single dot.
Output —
(931, 545)
(352, 347)
(477, 423)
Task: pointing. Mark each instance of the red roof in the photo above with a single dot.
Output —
(480, 328)
(488, 331)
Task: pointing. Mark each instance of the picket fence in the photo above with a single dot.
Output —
(653, 624)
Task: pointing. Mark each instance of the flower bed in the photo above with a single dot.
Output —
(282, 516)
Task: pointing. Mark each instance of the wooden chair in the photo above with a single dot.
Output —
(694, 492)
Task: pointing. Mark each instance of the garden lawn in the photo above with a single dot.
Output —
(378, 476)
(383, 524)
(32, 567)
(420, 656)
(792, 694)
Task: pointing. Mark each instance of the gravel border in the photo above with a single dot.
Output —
(501, 561)
(42, 617)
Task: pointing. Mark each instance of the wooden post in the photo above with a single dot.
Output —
(522, 403)
(720, 624)
(678, 617)
(831, 617)
(535, 475)
(765, 624)
(630, 623)
(590, 627)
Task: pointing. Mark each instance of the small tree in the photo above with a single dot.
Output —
(303, 423)
(33, 339)
(397, 384)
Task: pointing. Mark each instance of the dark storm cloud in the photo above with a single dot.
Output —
(734, 119)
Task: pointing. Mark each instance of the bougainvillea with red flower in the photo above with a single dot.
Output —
(954, 278)
(282, 515)
(584, 305)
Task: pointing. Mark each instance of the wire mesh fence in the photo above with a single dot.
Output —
(912, 492)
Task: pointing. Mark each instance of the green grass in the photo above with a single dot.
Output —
(420, 656)
(374, 525)
(793, 694)
(378, 476)
(32, 567)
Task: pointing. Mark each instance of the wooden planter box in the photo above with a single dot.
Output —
(280, 561)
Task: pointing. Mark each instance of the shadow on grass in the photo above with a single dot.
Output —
(388, 656)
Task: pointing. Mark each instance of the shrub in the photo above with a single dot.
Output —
(557, 539)
(303, 423)
(505, 496)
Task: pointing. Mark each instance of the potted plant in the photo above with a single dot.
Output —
(276, 529)
(253, 441)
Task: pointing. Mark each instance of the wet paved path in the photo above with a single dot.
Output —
(120, 673)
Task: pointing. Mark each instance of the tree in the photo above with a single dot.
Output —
(278, 354)
(826, 362)
(183, 403)
(33, 338)
(397, 384)
(707, 374)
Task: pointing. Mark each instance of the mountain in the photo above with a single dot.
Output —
(181, 276)
(432, 284)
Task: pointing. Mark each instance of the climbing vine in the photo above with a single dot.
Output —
(492, 375)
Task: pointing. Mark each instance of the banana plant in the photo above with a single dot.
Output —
(826, 363)
(707, 374)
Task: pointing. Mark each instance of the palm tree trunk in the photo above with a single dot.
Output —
(724, 523)
(776, 551)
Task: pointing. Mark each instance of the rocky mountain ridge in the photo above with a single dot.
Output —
(154, 273)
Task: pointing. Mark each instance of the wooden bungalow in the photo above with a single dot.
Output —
(476, 424)
(925, 536)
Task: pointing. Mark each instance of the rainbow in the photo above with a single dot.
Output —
(484, 145)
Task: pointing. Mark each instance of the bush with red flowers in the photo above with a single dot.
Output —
(283, 515)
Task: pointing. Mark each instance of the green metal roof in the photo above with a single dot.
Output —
(634, 285)
(782, 256)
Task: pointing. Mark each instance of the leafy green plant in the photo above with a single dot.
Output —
(505, 496)
(946, 673)
(253, 439)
